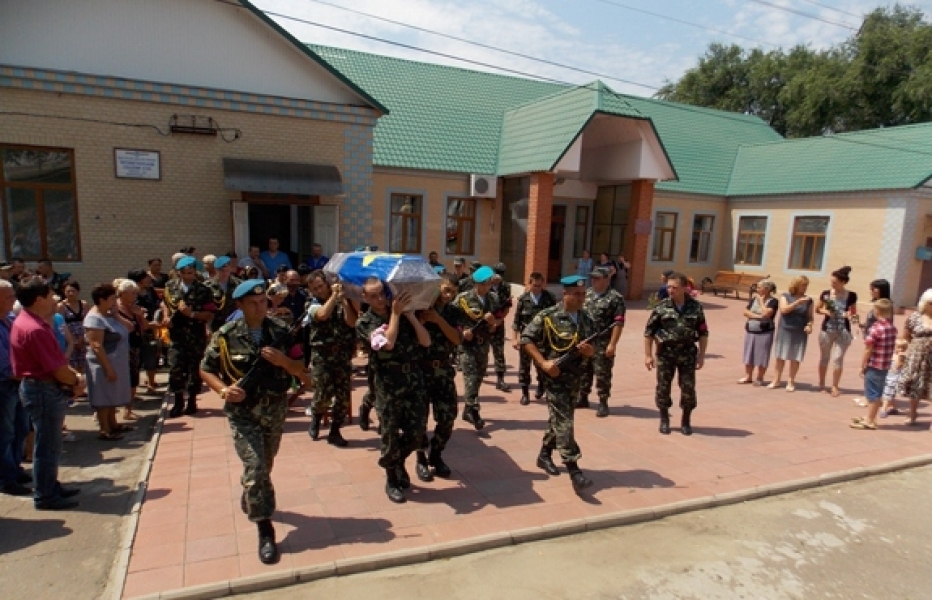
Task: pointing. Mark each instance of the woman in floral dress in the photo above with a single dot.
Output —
(916, 375)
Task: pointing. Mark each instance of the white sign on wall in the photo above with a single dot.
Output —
(137, 164)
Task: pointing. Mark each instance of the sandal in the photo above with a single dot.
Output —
(744, 380)
(835, 392)
(860, 402)
(864, 425)
(757, 383)
(123, 428)
(911, 421)
(790, 387)
(109, 437)
(131, 416)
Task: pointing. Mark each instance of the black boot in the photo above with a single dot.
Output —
(545, 462)
(440, 468)
(178, 407)
(191, 408)
(686, 427)
(525, 399)
(583, 401)
(393, 487)
(665, 421)
(364, 410)
(242, 503)
(471, 415)
(500, 384)
(404, 480)
(334, 438)
(580, 481)
(603, 409)
(268, 550)
(539, 393)
(421, 468)
(314, 429)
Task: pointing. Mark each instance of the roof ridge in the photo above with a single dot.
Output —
(568, 89)
(876, 130)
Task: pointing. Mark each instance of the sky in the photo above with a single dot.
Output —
(617, 41)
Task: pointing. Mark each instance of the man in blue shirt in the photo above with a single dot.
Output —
(317, 259)
(272, 258)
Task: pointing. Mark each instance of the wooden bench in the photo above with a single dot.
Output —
(731, 281)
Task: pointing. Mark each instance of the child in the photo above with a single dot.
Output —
(879, 345)
(893, 379)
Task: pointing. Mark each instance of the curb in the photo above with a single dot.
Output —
(121, 566)
(400, 558)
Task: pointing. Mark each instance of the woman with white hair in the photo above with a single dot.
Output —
(760, 313)
(916, 374)
(134, 320)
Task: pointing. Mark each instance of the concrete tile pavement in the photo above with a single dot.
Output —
(332, 509)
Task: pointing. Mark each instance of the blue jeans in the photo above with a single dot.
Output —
(45, 402)
(14, 427)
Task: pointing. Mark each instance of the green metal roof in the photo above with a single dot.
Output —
(876, 159)
(451, 119)
(537, 134)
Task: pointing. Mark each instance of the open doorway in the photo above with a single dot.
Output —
(557, 237)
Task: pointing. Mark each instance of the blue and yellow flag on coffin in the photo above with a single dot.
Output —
(402, 272)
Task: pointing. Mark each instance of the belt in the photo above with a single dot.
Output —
(396, 367)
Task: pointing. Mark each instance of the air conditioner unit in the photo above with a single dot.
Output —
(482, 186)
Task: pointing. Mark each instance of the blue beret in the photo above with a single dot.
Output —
(483, 274)
(187, 261)
(250, 287)
(221, 262)
(572, 281)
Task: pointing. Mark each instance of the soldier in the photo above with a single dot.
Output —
(604, 306)
(257, 414)
(475, 311)
(531, 302)
(439, 379)
(188, 305)
(553, 332)
(459, 269)
(677, 323)
(222, 285)
(502, 290)
(332, 342)
(468, 282)
(396, 339)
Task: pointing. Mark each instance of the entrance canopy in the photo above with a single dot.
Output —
(281, 177)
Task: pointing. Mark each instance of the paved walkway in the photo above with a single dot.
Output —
(332, 507)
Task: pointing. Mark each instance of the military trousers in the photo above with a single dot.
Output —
(561, 394)
(599, 367)
(332, 386)
(368, 399)
(257, 435)
(497, 342)
(524, 370)
(184, 363)
(440, 388)
(679, 361)
(401, 405)
(474, 362)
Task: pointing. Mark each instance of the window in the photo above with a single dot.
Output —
(664, 236)
(700, 249)
(749, 249)
(461, 226)
(40, 214)
(610, 219)
(808, 243)
(581, 231)
(405, 233)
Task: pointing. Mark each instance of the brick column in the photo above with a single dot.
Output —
(540, 206)
(638, 236)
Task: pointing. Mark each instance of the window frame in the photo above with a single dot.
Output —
(418, 216)
(458, 251)
(585, 228)
(791, 228)
(672, 231)
(763, 244)
(711, 234)
(39, 189)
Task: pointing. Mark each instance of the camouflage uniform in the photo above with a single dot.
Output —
(399, 388)
(525, 311)
(503, 292)
(474, 354)
(439, 383)
(332, 344)
(223, 300)
(604, 310)
(188, 335)
(552, 330)
(676, 333)
(258, 421)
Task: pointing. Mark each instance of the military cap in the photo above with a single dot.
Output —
(600, 272)
(251, 287)
(459, 260)
(187, 261)
(499, 268)
(221, 261)
(475, 265)
(571, 281)
(483, 274)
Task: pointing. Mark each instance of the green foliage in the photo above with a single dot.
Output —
(880, 77)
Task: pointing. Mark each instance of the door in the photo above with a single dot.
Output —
(325, 228)
(269, 221)
(241, 229)
(925, 279)
(557, 236)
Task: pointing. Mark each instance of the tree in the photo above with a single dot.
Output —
(880, 77)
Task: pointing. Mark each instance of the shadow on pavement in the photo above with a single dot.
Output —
(721, 432)
(22, 533)
(319, 532)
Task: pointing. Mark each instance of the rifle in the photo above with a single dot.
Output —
(569, 361)
(249, 382)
